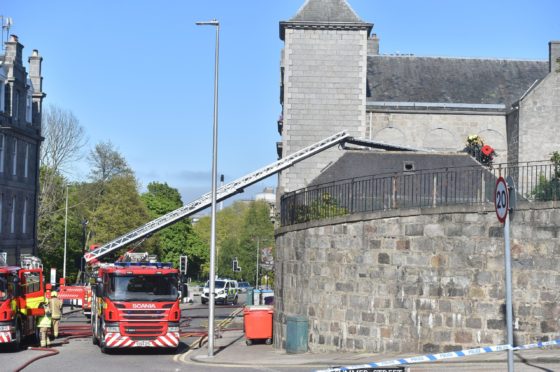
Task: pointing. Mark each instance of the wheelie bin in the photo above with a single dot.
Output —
(257, 323)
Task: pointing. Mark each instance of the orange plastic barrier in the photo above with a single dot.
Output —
(258, 323)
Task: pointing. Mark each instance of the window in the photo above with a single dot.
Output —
(26, 165)
(13, 216)
(1, 211)
(14, 157)
(24, 217)
(15, 107)
(2, 146)
(2, 92)
(29, 106)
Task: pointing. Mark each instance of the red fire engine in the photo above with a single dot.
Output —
(136, 304)
(21, 293)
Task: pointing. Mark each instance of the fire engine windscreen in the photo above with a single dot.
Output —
(142, 288)
(3, 288)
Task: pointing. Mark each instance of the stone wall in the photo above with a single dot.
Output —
(438, 131)
(539, 117)
(324, 93)
(419, 281)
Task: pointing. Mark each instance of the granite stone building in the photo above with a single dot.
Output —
(333, 78)
(21, 97)
(420, 280)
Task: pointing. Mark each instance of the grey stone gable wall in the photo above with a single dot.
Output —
(450, 80)
(539, 120)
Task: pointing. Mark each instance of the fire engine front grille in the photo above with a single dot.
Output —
(143, 330)
(144, 314)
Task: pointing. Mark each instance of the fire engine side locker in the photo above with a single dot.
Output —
(257, 323)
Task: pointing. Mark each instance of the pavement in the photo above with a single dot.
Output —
(232, 350)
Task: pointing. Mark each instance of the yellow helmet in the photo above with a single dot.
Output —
(54, 294)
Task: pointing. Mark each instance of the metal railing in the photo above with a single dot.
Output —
(430, 188)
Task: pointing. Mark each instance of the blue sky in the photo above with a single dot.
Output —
(140, 73)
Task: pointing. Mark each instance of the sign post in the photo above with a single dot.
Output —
(501, 202)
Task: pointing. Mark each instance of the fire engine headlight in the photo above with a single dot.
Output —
(221, 291)
(5, 328)
(173, 329)
(112, 329)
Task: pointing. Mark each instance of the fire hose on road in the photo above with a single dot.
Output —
(70, 331)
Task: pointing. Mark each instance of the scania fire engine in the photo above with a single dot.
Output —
(136, 304)
(21, 293)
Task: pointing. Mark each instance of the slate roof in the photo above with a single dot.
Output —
(326, 11)
(355, 164)
(327, 14)
(450, 80)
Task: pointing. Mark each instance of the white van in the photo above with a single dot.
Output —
(226, 292)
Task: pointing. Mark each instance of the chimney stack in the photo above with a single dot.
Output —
(35, 62)
(14, 51)
(373, 45)
(554, 56)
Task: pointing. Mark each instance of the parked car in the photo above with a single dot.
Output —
(244, 287)
(225, 289)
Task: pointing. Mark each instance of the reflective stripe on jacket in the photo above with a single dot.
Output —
(44, 322)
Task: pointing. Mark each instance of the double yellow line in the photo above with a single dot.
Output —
(201, 339)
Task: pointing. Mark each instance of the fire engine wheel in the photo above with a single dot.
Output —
(95, 331)
(101, 340)
(16, 344)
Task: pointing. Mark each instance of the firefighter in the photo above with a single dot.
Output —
(44, 324)
(55, 304)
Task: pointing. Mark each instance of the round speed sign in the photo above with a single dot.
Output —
(501, 199)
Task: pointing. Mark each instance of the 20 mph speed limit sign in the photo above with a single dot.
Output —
(501, 199)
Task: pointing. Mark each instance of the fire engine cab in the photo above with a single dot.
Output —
(136, 304)
(21, 293)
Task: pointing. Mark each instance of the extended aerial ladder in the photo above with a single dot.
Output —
(222, 193)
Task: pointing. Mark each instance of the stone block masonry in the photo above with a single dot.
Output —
(324, 93)
(422, 281)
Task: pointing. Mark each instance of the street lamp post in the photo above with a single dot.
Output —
(211, 299)
(65, 234)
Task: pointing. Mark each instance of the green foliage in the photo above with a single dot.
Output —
(549, 189)
(120, 210)
(179, 238)
(240, 228)
(323, 207)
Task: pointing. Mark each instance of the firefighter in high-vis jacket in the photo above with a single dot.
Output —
(55, 304)
(44, 325)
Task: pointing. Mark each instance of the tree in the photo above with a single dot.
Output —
(64, 138)
(240, 228)
(106, 162)
(63, 141)
(119, 211)
(179, 238)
